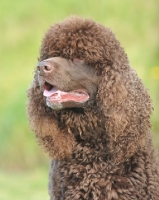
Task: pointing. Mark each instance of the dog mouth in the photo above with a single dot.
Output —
(55, 96)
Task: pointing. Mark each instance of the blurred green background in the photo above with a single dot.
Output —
(23, 165)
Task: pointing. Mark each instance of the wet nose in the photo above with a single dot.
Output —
(44, 68)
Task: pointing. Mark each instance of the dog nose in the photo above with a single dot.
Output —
(44, 68)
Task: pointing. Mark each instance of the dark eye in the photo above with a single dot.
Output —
(78, 61)
(79, 58)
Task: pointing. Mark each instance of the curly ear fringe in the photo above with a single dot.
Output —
(127, 107)
(58, 144)
(55, 142)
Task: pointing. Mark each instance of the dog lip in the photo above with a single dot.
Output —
(53, 94)
(47, 86)
(56, 95)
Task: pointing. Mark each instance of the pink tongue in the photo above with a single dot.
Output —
(47, 93)
(56, 95)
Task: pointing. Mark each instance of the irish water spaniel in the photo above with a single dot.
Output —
(91, 113)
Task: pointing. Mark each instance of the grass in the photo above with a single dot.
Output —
(24, 185)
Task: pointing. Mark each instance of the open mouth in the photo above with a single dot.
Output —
(54, 95)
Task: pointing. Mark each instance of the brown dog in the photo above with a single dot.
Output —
(91, 113)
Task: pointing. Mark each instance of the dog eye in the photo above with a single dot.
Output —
(78, 61)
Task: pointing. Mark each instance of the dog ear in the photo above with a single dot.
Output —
(55, 142)
(127, 107)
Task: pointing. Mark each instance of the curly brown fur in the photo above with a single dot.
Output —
(102, 148)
